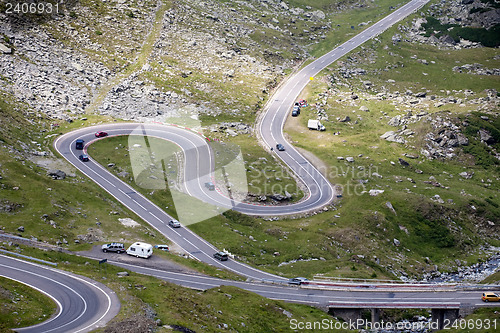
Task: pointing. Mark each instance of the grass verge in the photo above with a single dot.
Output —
(22, 306)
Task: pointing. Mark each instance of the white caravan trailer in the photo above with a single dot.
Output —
(138, 249)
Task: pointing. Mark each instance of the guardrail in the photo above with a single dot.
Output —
(394, 305)
(30, 258)
(320, 278)
(376, 286)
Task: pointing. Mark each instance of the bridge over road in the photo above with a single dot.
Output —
(443, 313)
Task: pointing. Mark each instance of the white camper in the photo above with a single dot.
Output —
(138, 249)
(315, 125)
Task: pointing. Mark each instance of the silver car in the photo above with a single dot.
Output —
(174, 224)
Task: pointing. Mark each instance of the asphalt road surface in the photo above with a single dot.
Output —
(199, 160)
(82, 304)
(350, 292)
(74, 314)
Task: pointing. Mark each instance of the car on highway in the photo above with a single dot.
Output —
(280, 147)
(79, 144)
(490, 297)
(174, 224)
(222, 256)
(297, 280)
(84, 157)
(113, 247)
(100, 134)
(210, 186)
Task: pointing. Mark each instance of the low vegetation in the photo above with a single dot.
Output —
(22, 306)
(147, 302)
(487, 37)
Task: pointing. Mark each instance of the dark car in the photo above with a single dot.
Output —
(101, 134)
(210, 186)
(174, 224)
(84, 157)
(297, 280)
(221, 256)
(113, 247)
(79, 144)
(280, 147)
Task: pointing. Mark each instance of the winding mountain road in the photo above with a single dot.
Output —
(198, 170)
(199, 161)
(82, 304)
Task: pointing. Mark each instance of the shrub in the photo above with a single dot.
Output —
(489, 38)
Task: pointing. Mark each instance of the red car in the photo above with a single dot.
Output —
(101, 134)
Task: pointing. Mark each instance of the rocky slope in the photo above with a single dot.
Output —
(59, 63)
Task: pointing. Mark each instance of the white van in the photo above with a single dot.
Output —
(138, 249)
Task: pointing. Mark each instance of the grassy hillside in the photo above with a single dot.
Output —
(223, 59)
(150, 303)
(22, 306)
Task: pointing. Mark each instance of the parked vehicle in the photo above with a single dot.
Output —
(174, 224)
(162, 247)
(297, 280)
(79, 144)
(84, 158)
(280, 147)
(302, 103)
(222, 256)
(315, 125)
(210, 186)
(139, 249)
(113, 247)
(101, 134)
(490, 297)
(295, 110)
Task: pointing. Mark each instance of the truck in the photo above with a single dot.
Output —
(139, 249)
(315, 125)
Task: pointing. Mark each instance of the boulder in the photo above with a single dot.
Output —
(437, 198)
(392, 137)
(4, 49)
(485, 136)
(447, 39)
(318, 14)
(389, 205)
(374, 193)
(466, 175)
(278, 197)
(56, 174)
(403, 162)
(395, 121)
